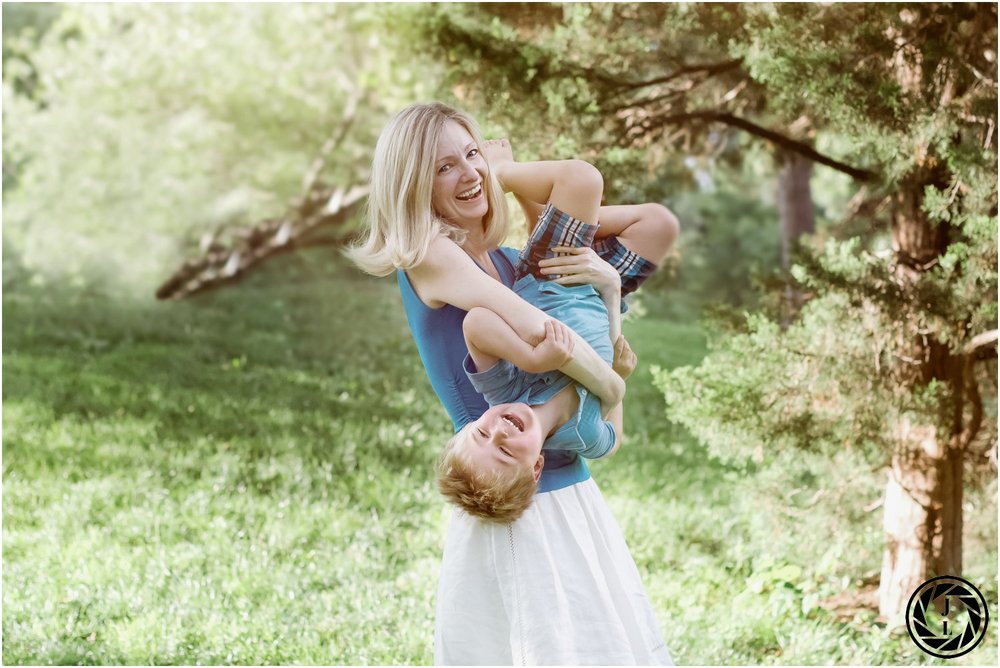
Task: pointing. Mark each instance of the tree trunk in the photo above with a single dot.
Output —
(795, 205)
(923, 498)
(923, 515)
(797, 217)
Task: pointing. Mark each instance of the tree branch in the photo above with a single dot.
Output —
(708, 68)
(332, 143)
(268, 239)
(981, 341)
(713, 116)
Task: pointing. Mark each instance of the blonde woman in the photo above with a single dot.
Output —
(557, 586)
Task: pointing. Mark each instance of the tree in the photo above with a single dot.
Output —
(902, 98)
(797, 213)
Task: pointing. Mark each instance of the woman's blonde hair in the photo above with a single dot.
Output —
(400, 219)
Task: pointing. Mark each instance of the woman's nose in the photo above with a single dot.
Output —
(469, 171)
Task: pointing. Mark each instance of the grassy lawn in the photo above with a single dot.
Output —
(244, 478)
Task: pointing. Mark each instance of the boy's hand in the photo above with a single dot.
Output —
(624, 360)
(498, 154)
(556, 348)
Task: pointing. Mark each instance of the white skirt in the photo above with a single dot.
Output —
(557, 587)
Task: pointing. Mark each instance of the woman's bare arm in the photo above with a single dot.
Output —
(449, 276)
(615, 418)
(489, 338)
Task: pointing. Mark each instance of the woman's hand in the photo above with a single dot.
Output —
(582, 265)
(625, 360)
(555, 349)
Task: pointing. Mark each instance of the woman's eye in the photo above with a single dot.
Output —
(473, 153)
(482, 433)
(443, 169)
(506, 452)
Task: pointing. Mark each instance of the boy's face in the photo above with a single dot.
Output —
(506, 437)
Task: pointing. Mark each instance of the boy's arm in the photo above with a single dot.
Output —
(613, 390)
(490, 338)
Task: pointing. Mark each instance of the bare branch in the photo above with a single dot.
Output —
(262, 242)
(982, 340)
(330, 145)
(711, 115)
(708, 69)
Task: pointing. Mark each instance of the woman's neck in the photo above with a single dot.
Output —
(558, 410)
(475, 244)
(476, 248)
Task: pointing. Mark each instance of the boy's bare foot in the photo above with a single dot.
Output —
(499, 154)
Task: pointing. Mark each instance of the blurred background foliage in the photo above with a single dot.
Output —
(180, 477)
(165, 124)
(139, 128)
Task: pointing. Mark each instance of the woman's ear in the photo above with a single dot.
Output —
(537, 468)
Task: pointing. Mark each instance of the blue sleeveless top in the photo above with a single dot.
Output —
(441, 344)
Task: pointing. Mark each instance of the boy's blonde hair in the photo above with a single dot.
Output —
(500, 497)
(400, 219)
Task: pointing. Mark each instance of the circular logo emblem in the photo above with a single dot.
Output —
(947, 617)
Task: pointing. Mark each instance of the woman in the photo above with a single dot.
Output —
(558, 586)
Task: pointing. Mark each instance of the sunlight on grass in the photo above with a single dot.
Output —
(246, 479)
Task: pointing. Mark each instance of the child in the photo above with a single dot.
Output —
(491, 467)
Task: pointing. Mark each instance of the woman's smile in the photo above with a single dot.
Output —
(472, 193)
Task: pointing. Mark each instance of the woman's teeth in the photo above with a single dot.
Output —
(470, 193)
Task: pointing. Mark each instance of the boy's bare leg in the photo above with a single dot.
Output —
(648, 230)
(572, 186)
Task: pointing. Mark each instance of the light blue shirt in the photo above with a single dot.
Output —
(582, 309)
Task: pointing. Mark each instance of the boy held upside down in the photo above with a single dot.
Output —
(491, 467)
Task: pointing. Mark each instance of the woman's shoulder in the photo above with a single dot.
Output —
(441, 251)
(443, 264)
(443, 258)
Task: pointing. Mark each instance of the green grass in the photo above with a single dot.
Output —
(244, 478)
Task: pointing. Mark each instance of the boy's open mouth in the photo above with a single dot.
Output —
(514, 421)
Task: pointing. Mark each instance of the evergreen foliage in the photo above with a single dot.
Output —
(854, 336)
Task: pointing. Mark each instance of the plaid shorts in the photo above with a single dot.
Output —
(557, 228)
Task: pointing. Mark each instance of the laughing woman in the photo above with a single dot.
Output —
(557, 586)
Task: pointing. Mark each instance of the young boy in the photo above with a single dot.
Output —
(491, 467)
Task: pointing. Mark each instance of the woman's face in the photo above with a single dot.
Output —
(459, 174)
